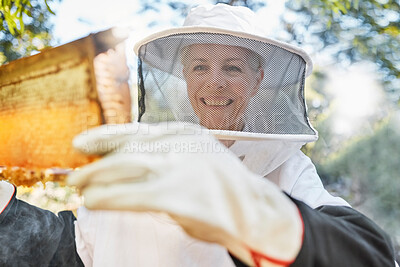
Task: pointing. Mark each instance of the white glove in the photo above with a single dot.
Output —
(6, 193)
(182, 170)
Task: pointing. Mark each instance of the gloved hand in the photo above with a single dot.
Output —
(182, 170)
(6, 193)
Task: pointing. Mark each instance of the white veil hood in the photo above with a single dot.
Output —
(278, 110)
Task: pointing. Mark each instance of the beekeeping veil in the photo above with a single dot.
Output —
(274, 122)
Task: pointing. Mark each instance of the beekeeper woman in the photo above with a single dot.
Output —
(261, 199)
(168, 193)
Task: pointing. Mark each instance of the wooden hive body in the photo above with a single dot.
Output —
(49, 98)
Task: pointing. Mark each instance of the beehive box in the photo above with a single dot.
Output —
(48, 98)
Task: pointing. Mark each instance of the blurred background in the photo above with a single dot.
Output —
(353, 95)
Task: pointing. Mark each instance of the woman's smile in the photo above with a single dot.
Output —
(216, 101)
(220, 83)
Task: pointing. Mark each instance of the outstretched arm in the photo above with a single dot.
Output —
(216, 199)
(340, 236)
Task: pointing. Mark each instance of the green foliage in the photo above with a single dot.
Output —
(354, 30)
(24, 28)
(372, 164)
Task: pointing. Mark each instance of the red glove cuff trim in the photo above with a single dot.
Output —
(258, 257)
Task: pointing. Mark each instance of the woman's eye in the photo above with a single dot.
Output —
(233, 68)
(199, 67)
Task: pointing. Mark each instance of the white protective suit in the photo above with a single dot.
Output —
(106, 238)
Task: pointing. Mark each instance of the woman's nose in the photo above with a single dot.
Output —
(215, 79)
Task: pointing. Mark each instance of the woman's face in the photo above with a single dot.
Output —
(220, 81)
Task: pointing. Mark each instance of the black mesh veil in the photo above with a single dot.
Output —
(225, 83)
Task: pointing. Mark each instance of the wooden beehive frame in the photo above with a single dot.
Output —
(48, 98)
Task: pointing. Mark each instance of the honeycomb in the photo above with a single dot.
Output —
(49, 98)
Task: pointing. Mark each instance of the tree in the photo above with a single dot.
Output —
(363, 169)
(353, 30)
(24, 28)
(369, 166)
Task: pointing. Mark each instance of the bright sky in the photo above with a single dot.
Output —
(355, 90)
(358, 96)
(77, 18)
